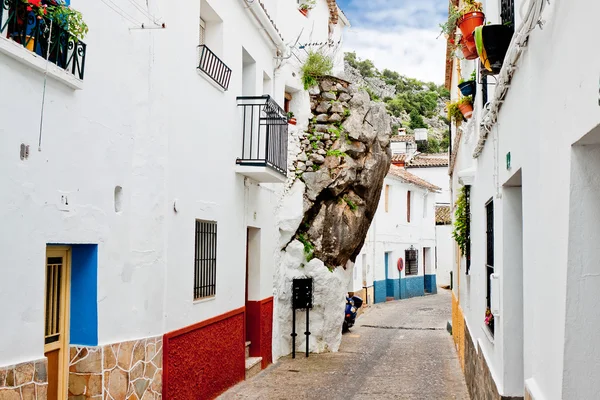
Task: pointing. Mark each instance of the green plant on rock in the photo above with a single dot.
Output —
(309, 248)
(353, 206)
(314, 120)
(315, 145)
(315, 66)
(347, 112)
(336, 153)
(461, 222)
(335, 131)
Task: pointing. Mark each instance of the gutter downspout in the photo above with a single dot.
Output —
(263, 20)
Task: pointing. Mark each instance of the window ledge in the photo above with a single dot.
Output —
(210, 80)
(487, 333)
(205, 300)
(17, 52)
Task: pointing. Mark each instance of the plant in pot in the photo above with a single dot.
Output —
(306, 6)
(67, 18)
(454, 113)
(492, 43)
(468, 87)
(471, 16)
(291, 119)
(465, 105)
(466, 50)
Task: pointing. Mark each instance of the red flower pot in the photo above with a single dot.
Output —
(292, 121)
(466, 110)
(468, 52)
(305, 12)
(469, 21)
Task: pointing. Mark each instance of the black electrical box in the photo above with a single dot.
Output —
(302, 293)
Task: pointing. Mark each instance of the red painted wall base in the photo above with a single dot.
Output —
(259, 329)
(203, 360)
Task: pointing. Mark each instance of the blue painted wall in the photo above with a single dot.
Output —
(380, 289)
(431, 284)
(393, 288)
(84, 295)
(412, 287)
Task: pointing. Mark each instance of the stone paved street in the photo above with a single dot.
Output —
(397, 350)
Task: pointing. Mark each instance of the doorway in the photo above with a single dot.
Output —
(252, 275)
(56, 322)
(389, 282)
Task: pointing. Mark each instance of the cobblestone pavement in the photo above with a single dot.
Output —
(396, 350)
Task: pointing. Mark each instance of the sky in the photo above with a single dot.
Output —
(401, 35)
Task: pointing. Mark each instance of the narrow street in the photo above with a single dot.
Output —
(397, 350)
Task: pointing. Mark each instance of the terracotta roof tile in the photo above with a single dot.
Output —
(407, 177)
(403, 138)
(443, 215)
(398, 158)
(429, 160)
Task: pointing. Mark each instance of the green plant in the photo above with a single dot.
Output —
(461, 226)
(347, 112)
(335, 131)
(316, 167)
(449, 27)
(454, 113)
(351, 204)
(372, 94)
(309, 248)
(308, 4)
(290, 115)
(314, 120)
(315, 66)
(336, 153)
(416, 121)
(465, 100)
(314, 145)
(68, 18)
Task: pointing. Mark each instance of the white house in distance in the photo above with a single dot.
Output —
(527, 163)
(134, 213)
(397, 259)
(434, 168)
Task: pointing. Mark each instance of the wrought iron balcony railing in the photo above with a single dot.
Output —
(265, 133)
(34, 33)
(212, 66)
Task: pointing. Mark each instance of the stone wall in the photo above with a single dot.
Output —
(24, 381)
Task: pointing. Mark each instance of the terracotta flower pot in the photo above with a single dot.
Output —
(469, 41)
(469, 21)
(467, 52)
(466, 110)
(292, 121)
(304, 12)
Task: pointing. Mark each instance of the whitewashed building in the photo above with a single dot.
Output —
(139, 192)
(397, 260)
(528, 161)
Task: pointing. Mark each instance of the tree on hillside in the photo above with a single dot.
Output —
(416, 120)
(366, 67)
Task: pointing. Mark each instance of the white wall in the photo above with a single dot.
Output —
(437, 176)
(538, 125)
(445, 255)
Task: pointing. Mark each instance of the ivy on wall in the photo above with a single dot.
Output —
(461, 222)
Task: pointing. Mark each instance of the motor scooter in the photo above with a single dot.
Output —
(352, 305)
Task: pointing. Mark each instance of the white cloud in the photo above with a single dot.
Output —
(416, 53)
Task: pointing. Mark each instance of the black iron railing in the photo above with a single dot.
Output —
(212, 66)
(40, 35)
(265, 133)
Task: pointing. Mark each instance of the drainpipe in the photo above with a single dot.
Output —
(256, 8)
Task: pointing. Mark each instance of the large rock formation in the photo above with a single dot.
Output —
(338, 175)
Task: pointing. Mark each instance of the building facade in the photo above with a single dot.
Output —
(140, 185)
(525, 304)
(397, 260)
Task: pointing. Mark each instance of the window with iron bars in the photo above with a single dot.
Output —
(205, 260)
(484, 90)
(412, 262)
(507, 12)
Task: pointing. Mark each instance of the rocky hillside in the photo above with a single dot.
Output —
(412, 103)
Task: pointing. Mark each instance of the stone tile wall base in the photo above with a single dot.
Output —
(25, 381)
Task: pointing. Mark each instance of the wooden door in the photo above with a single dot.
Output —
(56, 335)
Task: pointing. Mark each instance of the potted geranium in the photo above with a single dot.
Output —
(468, 87)
(465, 105)
(489, 319)
(291, 119)
(67, 18)
(306, 6)
(466, 18)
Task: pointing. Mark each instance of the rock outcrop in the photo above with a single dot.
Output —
(338, 173)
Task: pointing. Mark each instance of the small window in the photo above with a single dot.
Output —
(387, 198)
(411, 257)
(205, 261)
(408, 201)
(287, 102)
(507, 12)
(489, 211)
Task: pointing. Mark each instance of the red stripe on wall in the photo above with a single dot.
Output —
(259, 329)
(203, 360)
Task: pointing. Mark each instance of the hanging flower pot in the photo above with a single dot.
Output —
(469, 21)
(292, 121)
(468, 53)
(465, 105)
(492, 42)
(469, 41)
(304, 11)
(468, 88)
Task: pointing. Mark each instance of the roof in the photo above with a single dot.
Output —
(398, 158)
(443, 215)
(333, 12)
(429, 161)
(407, 177)
(402, 138)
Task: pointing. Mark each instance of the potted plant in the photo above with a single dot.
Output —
(492, 42)
(306, 6)
(471, 17)
(67, 18)
(468, 53)
(489, 319)
(468, 87)
(454, 113)
(291, 119)
(465, 105)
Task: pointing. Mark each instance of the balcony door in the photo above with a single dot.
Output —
(56, 336)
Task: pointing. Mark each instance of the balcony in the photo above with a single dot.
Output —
(214, 68)
(41, 36)
(265, 140)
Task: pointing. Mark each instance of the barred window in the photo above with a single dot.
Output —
(412, 261)
(489, 210)
(205, 260)
(507, 12)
